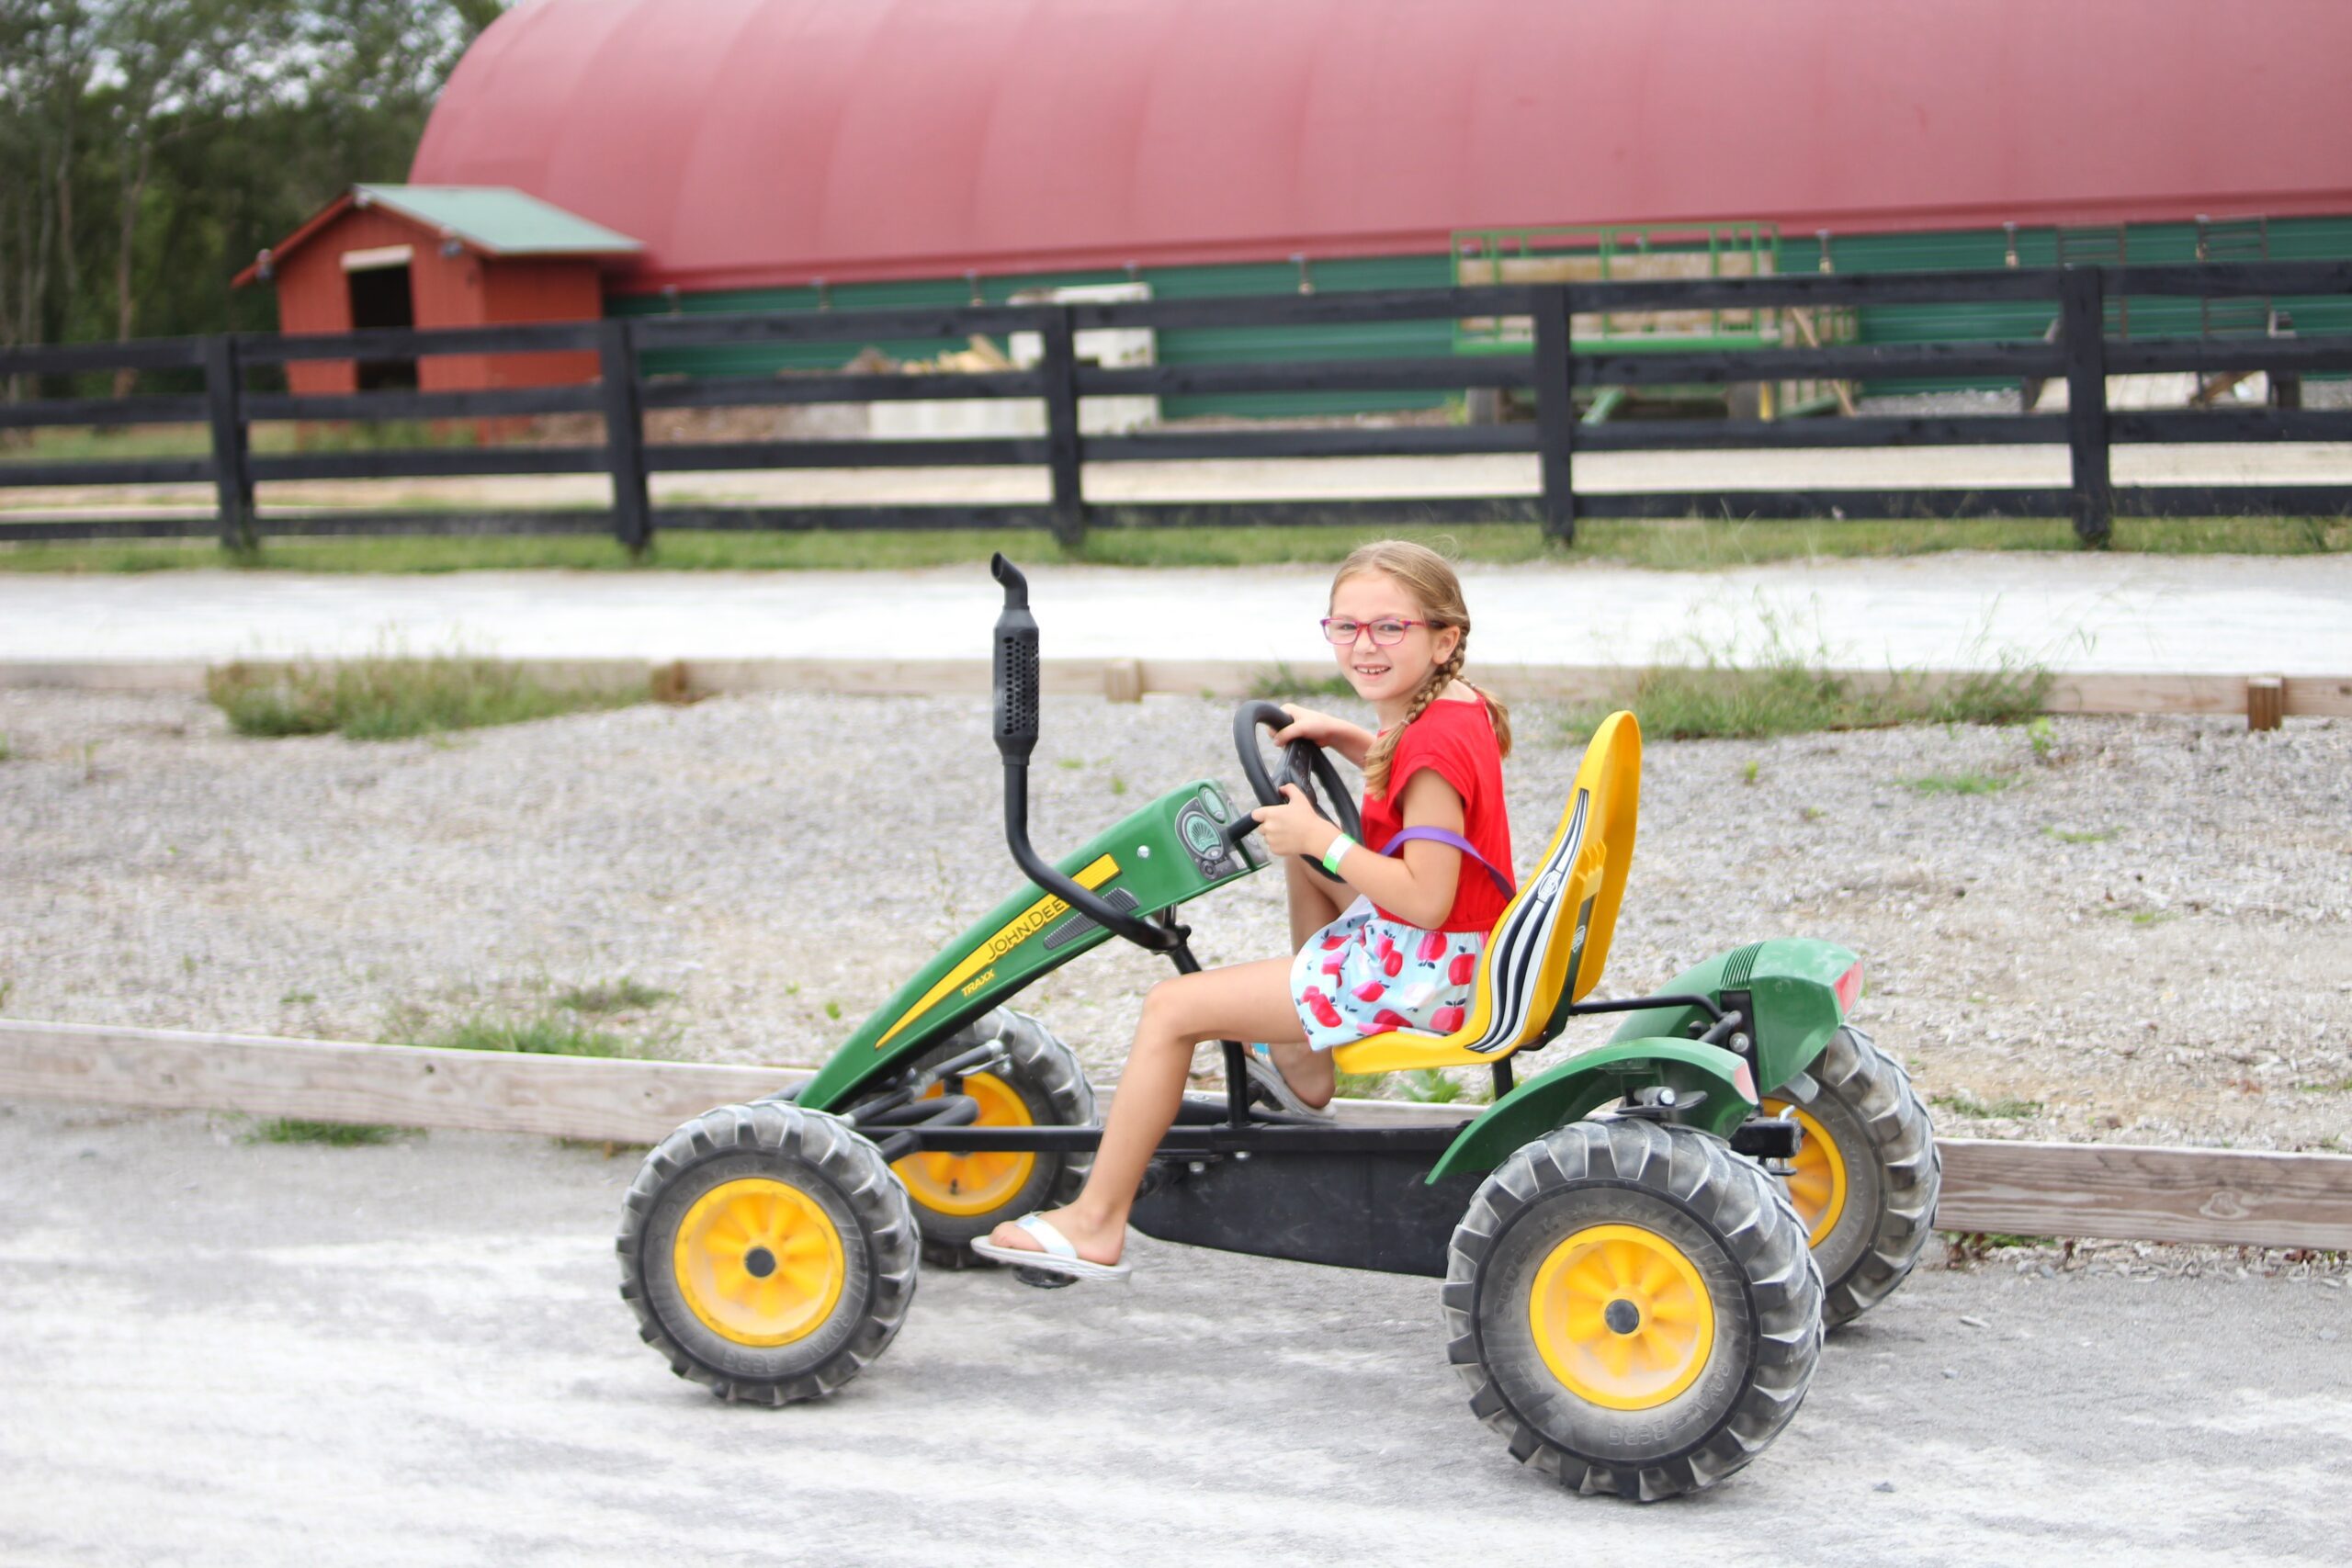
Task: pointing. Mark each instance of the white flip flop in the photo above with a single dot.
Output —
(1059, 1257)
(1259, 1062)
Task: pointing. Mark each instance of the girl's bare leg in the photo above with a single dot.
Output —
(1245, 1001)
(1315, 902)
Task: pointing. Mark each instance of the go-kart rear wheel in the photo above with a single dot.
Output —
(1865, 1180)
(767, 1252)
(1633, 1307)
(959, 1197)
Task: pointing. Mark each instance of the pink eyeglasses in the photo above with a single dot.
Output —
(1386, 632)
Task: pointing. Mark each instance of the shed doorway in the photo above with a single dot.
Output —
(381, 297)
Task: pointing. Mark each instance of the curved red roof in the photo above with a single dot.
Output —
(769, 141)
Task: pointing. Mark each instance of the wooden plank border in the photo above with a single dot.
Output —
(2116, 1191)
(406, 1086)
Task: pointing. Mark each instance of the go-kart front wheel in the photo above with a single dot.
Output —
(1634, 1307)
(767, 1252)
(1041, 1084)
(1866, 1176)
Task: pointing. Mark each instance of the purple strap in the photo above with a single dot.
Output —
(1453, 840)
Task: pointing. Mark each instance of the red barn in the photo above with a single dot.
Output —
(439, 256)
(764, 143)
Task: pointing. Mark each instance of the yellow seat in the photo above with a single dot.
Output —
(1536, 961)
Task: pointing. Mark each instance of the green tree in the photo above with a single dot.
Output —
(150, 148)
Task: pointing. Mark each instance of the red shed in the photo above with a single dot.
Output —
(439, 256)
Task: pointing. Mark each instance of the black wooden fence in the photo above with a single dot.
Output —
(2077, 351)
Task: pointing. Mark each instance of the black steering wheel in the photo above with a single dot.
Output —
(1305, 763)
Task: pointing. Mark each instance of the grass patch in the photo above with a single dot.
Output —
(2065, 836)
(1429, 1086)
(1783, 681)
(1958, 784)
(623, 995)
(2143, 917)
(2007, 1108)
(1672, 546)
(549, 1036)
(7, 751)
(1788, 694)
(1964, 1247)
(1421, 1086)
(114, 443)
(335, 1134)
(389, 697)
(1284, 685)
(2341, 1086)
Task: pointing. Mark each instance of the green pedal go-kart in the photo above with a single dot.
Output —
(1640, 1245)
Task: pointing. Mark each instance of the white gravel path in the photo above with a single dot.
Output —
(2176, 969)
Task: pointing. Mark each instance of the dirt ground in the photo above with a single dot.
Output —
(237, 1353)
(2129, 929)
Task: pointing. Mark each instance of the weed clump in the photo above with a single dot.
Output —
(1958, 784)
(390, 697)
(545, 1036)
(2008, 1109)
(335, 1134)
(1785, 684)
(624, 994)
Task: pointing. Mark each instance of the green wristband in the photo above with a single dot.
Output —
(1337, 852)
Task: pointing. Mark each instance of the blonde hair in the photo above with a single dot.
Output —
(1430, 579)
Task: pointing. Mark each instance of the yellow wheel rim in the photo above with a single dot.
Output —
(759, 1261)
(965, 1185)
(1622, 1317)
(1816, 1177)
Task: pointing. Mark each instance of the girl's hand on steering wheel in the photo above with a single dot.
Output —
(1293, 828)
(1306, 724)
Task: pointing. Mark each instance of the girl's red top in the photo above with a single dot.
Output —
(1457, 739)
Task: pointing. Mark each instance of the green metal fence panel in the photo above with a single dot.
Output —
(1193, 346)
(2300, 239)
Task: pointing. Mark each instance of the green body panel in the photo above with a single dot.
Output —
(1792, 982)
(1033, 932)
(1585, 1083)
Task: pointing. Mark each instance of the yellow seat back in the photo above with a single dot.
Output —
(1550, 942)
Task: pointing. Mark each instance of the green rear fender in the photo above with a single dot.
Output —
(1790, 986)
(1578, 1087)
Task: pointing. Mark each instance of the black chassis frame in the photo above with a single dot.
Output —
(1237, 1177)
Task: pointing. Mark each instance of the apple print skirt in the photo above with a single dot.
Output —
(1363, 975)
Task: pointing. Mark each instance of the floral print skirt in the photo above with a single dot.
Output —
(1363, 975)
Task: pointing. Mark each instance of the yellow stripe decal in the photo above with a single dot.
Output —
(1011, 934)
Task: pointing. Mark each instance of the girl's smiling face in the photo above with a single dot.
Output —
(1387, 677)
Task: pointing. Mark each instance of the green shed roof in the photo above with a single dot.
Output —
(498, 219)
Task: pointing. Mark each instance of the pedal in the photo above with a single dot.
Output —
(1768, 1138)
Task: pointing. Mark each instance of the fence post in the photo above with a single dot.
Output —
(1555, 412)
(232, 480)
(624, 434)
(1061, 368)
(2082, 314)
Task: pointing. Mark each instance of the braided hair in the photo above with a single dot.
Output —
(1430, 581)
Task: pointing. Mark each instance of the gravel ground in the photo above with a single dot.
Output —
(2139, 934)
